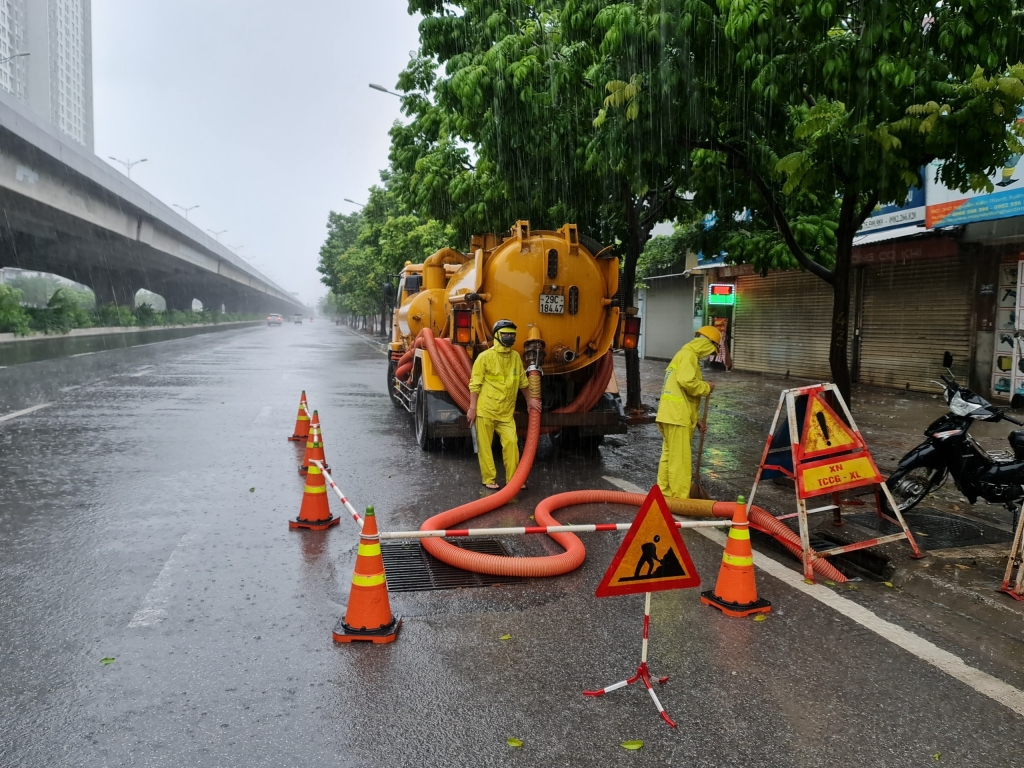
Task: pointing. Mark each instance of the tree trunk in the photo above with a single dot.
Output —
(634, 247)
(838, 357)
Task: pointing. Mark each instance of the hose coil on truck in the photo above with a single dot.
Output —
(559, 288)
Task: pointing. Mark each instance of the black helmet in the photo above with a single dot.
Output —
(501, 325)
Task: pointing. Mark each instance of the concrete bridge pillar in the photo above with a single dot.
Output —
(117, 288)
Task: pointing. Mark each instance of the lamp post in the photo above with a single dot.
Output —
(347, 200)
(15, 56)
(382, 89)
(216, 234)
(186, 210)
(128, 164)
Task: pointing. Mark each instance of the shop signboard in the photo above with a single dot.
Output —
(911, 212)
(951, 207)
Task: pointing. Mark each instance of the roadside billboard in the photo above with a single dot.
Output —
(950, 207)
(910, 213)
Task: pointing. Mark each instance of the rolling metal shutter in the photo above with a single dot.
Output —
(782, 325)
(912, 314)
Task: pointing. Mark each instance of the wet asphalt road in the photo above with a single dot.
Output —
(143, 517)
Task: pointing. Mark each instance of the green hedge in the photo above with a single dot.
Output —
(63, 313)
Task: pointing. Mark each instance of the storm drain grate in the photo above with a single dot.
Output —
(941, 530)
(410, 568)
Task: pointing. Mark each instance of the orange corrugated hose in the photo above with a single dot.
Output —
(454, 368)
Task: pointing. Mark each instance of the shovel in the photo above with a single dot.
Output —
(696, 488)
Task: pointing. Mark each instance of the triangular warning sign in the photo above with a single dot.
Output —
(824, 432)
(652, 557)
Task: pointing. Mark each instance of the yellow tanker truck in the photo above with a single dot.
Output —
(558, 287)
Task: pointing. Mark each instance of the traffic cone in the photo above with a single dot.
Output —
(314, 446)
(369, 611)
(735, 593)
(301, 422)
(315, 512)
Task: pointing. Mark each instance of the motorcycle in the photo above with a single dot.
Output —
(995, 476)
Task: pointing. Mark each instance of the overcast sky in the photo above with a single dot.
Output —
(257, 111)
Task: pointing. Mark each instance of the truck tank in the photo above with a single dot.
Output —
(557, 287)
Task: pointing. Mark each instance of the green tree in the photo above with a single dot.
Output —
(802, 116)
(13, 318)
(524, 86)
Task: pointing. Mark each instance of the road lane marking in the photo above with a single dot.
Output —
(141, 371)
(263, 415)
(16, 414)
(152, 610)
(83, 354)
(982, 682)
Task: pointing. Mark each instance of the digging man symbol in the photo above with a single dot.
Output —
(648, 557)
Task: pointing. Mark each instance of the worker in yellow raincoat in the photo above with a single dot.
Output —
(498, 374)
(678, 410)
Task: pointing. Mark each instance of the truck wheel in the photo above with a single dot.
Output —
(392, 366)
(420, 419)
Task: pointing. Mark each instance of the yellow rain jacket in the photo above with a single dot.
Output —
(677, 416)
(684, 385)
(498, 374)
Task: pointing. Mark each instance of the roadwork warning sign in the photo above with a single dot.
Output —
(824, 432)
(652, 557)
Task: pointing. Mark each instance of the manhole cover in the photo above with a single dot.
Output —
(941, 530)
(410, 568)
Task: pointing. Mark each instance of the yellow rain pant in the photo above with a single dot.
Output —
(676, 466)
(485, 429)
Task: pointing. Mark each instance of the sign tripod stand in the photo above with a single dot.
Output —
(642, 672)
(651, 558)
(823, 453)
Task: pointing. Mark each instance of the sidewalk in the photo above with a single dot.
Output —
(962, 574)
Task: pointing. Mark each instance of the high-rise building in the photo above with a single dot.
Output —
(55, 79)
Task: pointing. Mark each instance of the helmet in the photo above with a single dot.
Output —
(509, 328)
(711, 333)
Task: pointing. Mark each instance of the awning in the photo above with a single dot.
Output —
(895, 233)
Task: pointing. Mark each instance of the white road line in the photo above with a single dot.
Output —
(16, 414)
(83, 354)
(152, 610)
(263, 415)
(141, 371)
(984, 683)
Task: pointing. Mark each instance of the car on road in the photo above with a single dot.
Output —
(297, 318)
(274, 319)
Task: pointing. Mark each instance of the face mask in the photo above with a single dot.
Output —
(506, 339)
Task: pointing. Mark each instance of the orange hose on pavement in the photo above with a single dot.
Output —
(445, 357)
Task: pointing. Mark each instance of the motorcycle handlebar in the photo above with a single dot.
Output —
(1013, 420)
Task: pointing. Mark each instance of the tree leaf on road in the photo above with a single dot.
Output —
(760, 617)
(505, 637)
(106, 661)
(632, 744)
(830, 582)
(854, 587)
(252, 490)
(514, 742)
(889, 584)
(937, 756)
(808, 581)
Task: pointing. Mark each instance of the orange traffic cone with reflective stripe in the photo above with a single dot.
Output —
(369, 615)
(301, 421)
(735, 593)
(314, 446)
(315, 512)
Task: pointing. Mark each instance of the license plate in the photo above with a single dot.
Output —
(551, 304)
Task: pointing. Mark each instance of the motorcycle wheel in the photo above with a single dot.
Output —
(909, 485)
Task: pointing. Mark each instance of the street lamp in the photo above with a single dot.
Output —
(15, 56)
(217, 234)
(186, 210)
(127, 163)
(347, 200)
(236, 248)
(382, 89)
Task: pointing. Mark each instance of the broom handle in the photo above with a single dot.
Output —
(703, 432)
